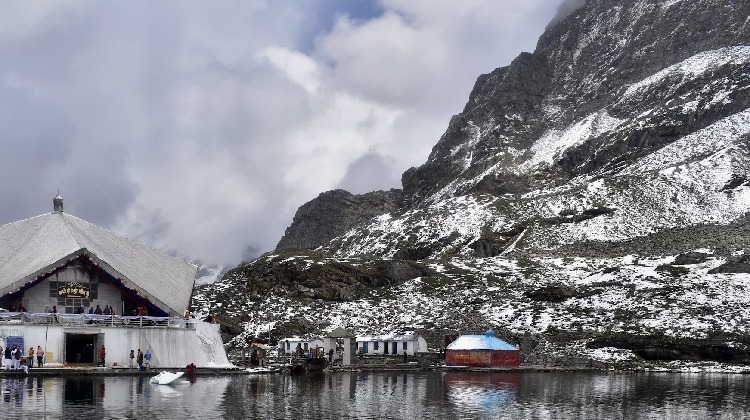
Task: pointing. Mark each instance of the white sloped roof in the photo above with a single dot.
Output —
(35, 246)
(486, 341)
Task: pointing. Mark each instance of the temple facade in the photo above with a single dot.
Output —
(71, 287)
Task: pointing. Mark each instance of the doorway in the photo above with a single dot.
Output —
(80, 348)
(395, 347)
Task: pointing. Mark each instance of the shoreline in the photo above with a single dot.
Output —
(124, 371)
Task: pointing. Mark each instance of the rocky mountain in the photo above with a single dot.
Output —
(333, 213)
(591, 203)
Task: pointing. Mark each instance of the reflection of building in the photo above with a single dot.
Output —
(481, 351)
(58, 261)
(488, 392)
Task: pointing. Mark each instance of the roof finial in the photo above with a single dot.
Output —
(57, 202)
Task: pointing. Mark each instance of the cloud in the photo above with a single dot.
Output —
(201, 127)
(567, 8)
(369, 173)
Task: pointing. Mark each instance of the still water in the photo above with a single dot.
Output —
(384, 395)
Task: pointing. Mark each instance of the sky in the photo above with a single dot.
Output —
(200, 127)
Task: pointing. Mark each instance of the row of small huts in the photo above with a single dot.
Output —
(483, 350)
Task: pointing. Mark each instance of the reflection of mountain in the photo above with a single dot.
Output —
(472, 392)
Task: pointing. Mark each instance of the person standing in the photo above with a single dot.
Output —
(31, 356)
(132, 356)
(16, 357)
(147, 357)
(262, 356)
(39, 356)
(102, 355)
(7, 358)
(139, 359)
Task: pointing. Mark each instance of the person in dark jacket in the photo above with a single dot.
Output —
(8, 358)
(16, 352)
(139, 359)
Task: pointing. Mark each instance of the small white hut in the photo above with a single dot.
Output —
(392, 344)
(289, 345)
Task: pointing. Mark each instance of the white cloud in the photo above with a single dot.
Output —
(202, 126)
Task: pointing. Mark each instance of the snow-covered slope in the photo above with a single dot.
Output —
(686, 182)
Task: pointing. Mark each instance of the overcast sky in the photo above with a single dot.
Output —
(201, 126)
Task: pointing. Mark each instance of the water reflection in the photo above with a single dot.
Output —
(383, 395)
(480, 392)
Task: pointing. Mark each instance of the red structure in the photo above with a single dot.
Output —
(482, 351)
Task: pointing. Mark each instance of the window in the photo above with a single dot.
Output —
(288, 346)
(405, 345)
(375, 345)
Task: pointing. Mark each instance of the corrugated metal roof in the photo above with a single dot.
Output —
(31, 247)
(486, 341)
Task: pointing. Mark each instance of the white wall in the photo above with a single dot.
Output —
(415, 345)
(170, 347)
(311, 344)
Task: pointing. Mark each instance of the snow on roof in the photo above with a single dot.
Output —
(35, 246)
(339, 333)
(388, 337)
(301, 339)
(486, 341)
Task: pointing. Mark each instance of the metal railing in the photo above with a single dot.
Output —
(94, 320)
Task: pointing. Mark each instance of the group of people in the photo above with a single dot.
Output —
(258, 357)
(140, 311)
(20, 308)
(108, 310)
(143, 360)
(14, 357)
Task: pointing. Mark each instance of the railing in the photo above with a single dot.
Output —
(94, 320)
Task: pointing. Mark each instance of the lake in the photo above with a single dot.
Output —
(384, 395)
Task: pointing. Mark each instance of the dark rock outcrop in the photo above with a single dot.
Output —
(553, 294)
(332, 214)
(734, 265)
(716, 349)
(690, 258)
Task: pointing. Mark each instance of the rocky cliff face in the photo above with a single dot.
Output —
(629, 118)
(599, 67)
(332, 214)
(590, 202)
